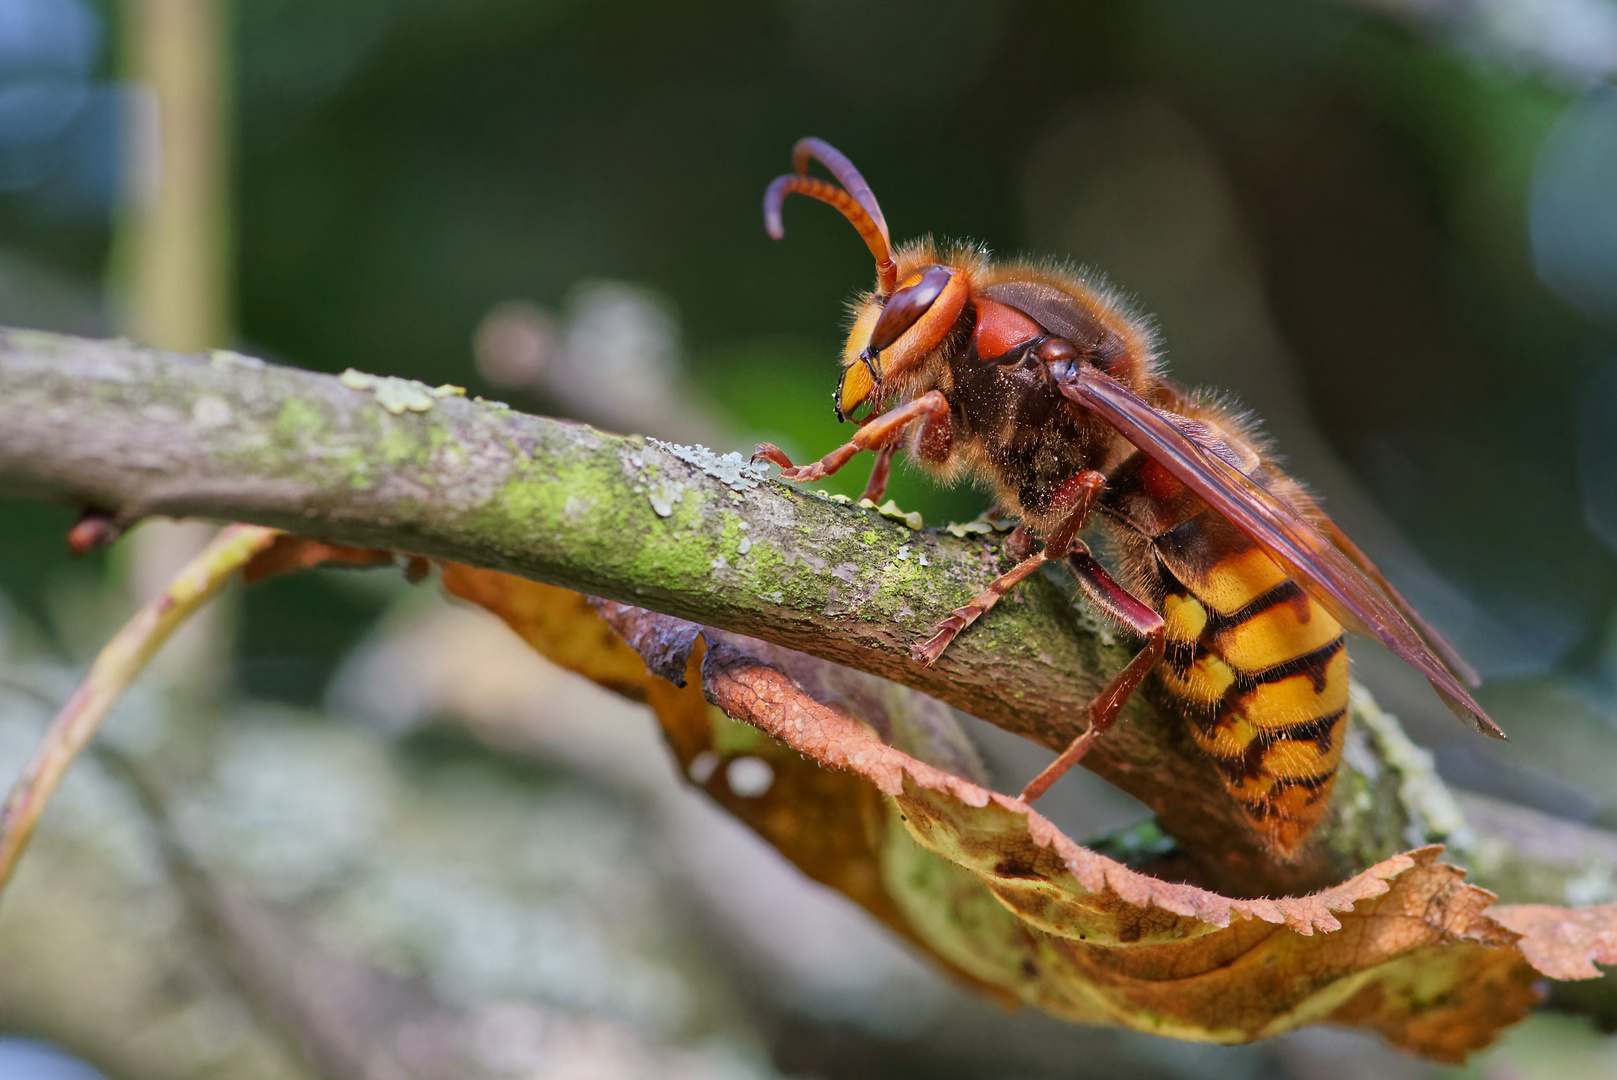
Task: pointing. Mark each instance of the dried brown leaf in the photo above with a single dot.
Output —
(289, 553)
(1564, 943)
(872, 790)
(1404, 947)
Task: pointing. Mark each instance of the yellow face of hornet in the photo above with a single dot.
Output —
(892, 335)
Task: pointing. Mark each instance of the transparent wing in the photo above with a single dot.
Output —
(1335, 577)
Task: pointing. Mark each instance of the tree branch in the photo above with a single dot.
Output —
(133, 432)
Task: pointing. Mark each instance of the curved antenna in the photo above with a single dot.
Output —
(812, 149)
(853, 201)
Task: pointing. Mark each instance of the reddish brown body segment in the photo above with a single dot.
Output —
(1000, 328)
(1043, 386)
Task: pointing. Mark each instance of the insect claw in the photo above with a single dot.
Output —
(928, 651)
(772, 454)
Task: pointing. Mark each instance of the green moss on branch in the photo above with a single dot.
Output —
(382, 462)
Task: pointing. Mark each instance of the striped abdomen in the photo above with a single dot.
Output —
(1260, 671)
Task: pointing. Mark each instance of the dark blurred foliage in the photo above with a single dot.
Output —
(1395, 238)
(404, 166)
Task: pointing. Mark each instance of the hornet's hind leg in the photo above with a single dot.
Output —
(1133, 613)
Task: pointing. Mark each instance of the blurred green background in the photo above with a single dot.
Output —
(1389, 227)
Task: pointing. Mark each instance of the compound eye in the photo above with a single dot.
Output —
(907, 306)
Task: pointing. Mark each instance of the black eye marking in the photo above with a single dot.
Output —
(907, 306)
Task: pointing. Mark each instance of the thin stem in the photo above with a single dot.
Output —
(114, 669)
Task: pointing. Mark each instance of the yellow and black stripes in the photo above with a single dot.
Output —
(1260, 670)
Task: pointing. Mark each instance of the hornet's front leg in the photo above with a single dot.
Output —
(932, 409)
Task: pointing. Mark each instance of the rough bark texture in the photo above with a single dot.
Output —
(134, 432)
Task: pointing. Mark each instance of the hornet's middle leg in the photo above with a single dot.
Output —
(1082, 492)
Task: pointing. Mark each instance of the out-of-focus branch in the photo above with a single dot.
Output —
(385, 463)
(114, 669)
(234, 934)
(336, 1015)
(171, 260)
(173, 243)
